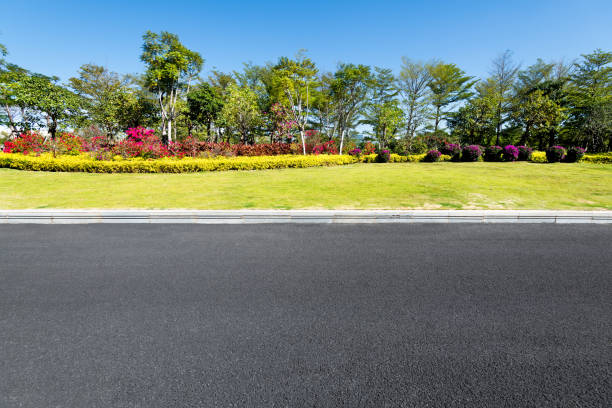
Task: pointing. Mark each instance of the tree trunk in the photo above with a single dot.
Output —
(437, 119)
(525, 137)
(169, 131)
(303, 136)
(341, 140)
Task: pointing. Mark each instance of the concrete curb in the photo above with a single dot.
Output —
(301, 216)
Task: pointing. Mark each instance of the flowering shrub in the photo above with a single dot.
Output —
(493, 153)
(555, 154)
(471, 153)
(369, 148)
(451, 149)
(355, 152)
(524, 153)
(26, 143)
(574, 154)
(432, 156)
(384, 156)
(328, 147)
(510, 153)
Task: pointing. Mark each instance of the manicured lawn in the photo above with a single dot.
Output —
(358, 186)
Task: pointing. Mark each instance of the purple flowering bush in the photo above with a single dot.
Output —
(555, 154)
(451, 149)
(574, 154)
(384, 156)
(432, 156)
(510, 153)
(524, 153)
(471, 153)
(493, 153)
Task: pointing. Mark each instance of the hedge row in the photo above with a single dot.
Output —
(85, 163)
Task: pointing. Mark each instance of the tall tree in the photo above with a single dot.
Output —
(590, 96)
(349, 92)
(448, 85)
(106, 96)
(204, 104)
(59, 105)
(171, 67)
(382, 107)
(503, 74)
(413, 84)
(293, 81)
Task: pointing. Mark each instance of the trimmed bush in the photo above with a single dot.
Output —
(555, 154)
(574, 154)
(471, 153)
(384, 156)
(524, 153)
(602, 158)
(355, 152)
(493, 153)
(85, 163)
(510, 153)
(432, 156)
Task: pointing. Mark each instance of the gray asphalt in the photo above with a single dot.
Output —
(306, 316)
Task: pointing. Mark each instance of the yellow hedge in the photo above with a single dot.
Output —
(85, 163)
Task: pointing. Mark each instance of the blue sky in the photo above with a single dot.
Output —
(56, 37)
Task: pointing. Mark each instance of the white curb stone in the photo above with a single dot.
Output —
(301, 216)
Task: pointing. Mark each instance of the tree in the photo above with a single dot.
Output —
(382, 112)
(170, 69)
(590, 96)
(413, 85)
(240, 111)
(204, 104)
(323, 107)
(503, 75)
(292, 82)
(448, 85)
(106, 96)
(349, 93)
(59, 105)
(537, 114)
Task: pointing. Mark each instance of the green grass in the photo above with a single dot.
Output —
(359, 186)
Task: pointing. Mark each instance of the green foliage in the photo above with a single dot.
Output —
(448, 85)
(240, 112)
(204, 104)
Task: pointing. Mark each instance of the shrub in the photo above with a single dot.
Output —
(524, 153)
(471, 153)
(451, 149)
(555, 154)
(432, 156)
(493, 153)
(574, 154)
(85, 163)
(384, 156)
(355, 152)
(598, 158)
(26, 143)
(538, 157)
(368, 148)
(510, 153)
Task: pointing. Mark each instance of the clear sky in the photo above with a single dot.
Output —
(55, 37)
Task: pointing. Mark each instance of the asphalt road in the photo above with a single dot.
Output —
(306, 316)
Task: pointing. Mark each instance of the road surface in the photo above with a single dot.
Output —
(423, 315)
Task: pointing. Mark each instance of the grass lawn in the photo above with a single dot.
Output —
(358, 186)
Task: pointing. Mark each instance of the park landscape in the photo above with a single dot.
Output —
(362, 137)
